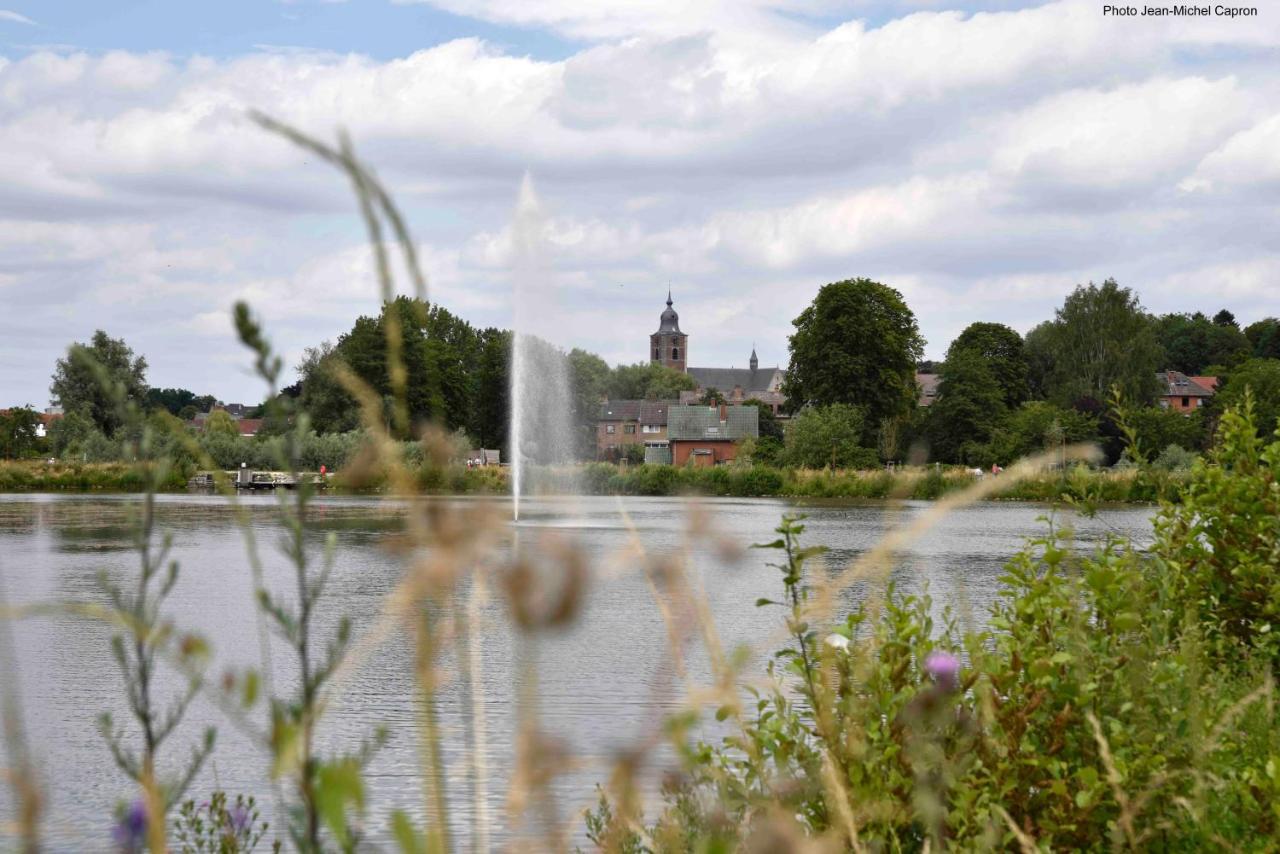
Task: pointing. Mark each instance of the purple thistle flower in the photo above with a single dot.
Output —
(944, 669)
(130, 832)
(239, 820)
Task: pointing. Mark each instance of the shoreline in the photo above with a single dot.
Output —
(1144, 486)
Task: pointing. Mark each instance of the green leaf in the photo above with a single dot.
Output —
(760, 603)
(409, 840)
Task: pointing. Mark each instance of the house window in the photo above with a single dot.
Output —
(610, 428)
(651, 428)
(675, 352)
(629, 428)
(1186, 401)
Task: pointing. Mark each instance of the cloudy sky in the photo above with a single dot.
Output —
(982, 157)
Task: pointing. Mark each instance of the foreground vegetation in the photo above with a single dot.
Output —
(1120, 700)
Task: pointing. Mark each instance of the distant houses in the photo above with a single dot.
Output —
(237, 411)
(674, 433)
(1182, 393)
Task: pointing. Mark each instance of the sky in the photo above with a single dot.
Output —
(983, 158)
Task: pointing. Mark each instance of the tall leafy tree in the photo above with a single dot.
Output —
(1193, 342)
(968, 410)
(1264, 338)
(830, 435)
(648, 381)
(1038, 349)
(18, 436)
(490, 412)
(857, 343)
(589, 384)
(1262, 378)
(1003, 351)
(1101, 337)
(78, 386)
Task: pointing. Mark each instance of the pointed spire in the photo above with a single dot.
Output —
(755, 363)
(668, 296)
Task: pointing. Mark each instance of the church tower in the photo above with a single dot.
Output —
(668, 346)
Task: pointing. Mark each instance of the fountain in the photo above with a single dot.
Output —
(540, 434)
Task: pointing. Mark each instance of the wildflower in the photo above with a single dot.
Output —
(944, 669)
(238, 820)
(130, 832)
(835, 641)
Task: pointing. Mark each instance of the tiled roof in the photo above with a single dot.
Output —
(703, 422)
(724, 379)
(1178, 384)
(644, 411)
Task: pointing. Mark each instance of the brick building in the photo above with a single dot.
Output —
(709, 435)
(1182, 393)
(631, 422)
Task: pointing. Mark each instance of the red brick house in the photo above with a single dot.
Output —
(631, 422)
(710, 435)
(1182, 393)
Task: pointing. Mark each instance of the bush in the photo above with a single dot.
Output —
(1123, 698)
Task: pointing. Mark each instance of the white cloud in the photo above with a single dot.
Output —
(8, 15)
(983, 163)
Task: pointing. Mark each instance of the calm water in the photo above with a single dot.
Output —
(603, 684)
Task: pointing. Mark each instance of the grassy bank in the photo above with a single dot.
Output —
(1081, 483)
(39, 476)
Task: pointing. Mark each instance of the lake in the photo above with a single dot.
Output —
(603, 684)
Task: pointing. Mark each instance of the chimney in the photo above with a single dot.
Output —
(724, 412)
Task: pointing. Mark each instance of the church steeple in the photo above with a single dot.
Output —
(754, 363)
(667, 345)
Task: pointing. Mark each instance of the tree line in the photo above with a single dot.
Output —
(1087, 374)
(850, 386)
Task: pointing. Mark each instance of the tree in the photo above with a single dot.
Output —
(175, 400)
(857, 344)
(490, 412)
(648, 381)
(969, 407)
(589, 385)
(1264, 338)
(1192, 343)
(18, 432)
(220, 422)
(769, 426)
(712, 397)
(830, 435)
(1225, 318)
(78, 387)
(1003, 351)
(1038, 349)
(1100, 338)
(1262, 378)
(1039, 426)
(323, 398)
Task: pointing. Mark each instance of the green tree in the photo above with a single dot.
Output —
(1264, 338)
(323, 398)
(968, 410)
(174, 400)
(1156, 428)
(18, 432)
(769, 425)
(78, 380)
(220, 422)
(648, 381)
(1193, 342)
(490, 411)
(857, 343)
(589, 385)
(1101, 338)
(1039, 426)
(1037, 347)
(822, 436)
(712, 397)
(1003, 351)
(1262, 378)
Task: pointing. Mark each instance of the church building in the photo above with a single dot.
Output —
(670, 347)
